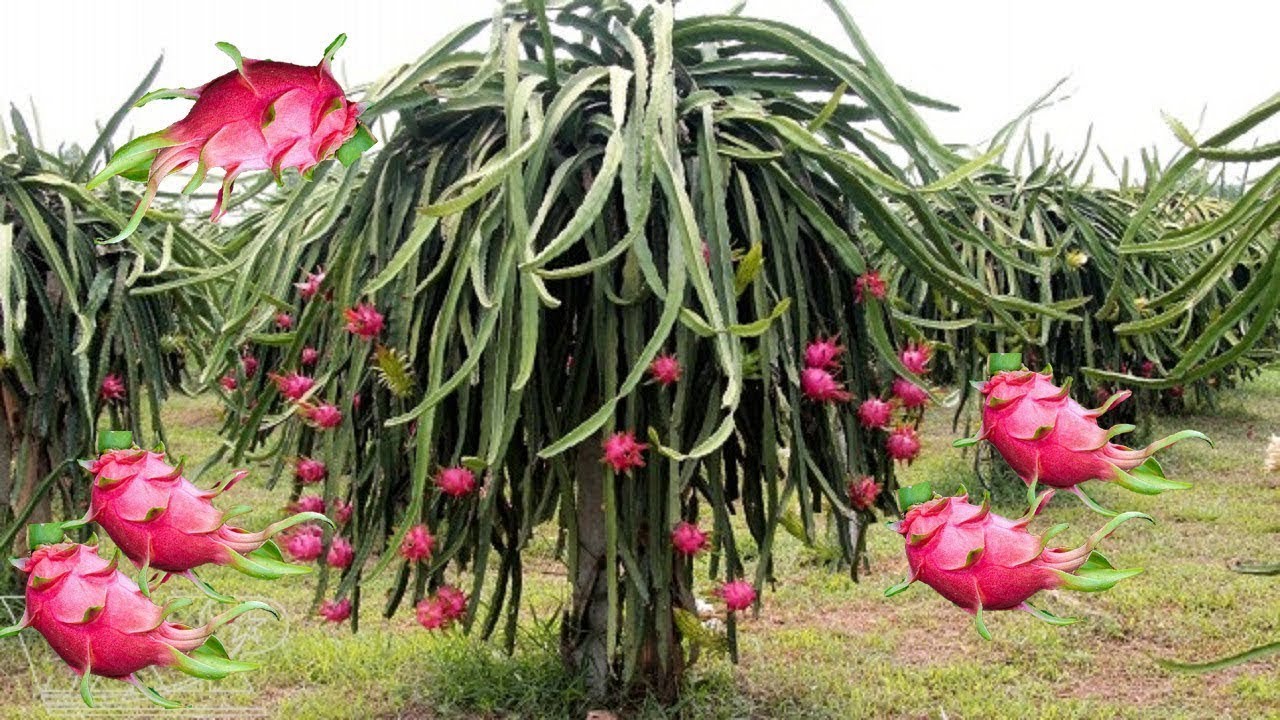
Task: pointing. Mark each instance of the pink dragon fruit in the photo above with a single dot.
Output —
(689, 539)
(308, 288)
(737, 595)
(101, 623)
(916, 358)
(909, 394)
(309, 356)
(982, 561)
(342, 511)
(340, 554)
(308, 504)
(863, 492)
(454, 601)
(903, 444)
(418, 544)
(622, 452)
(875, 413)
(335, 611)
(250, 365)
(455, 481)
(310, 471)
(228, 382)
(284, 321)
(821, 386)
(665, 369)
(293, 385)
(324, 416)
(823, 353)
(112, 389)
(364, 320)
(1049, 438)
(264, 115)
(869, 283)
(305, 544)
(433, 613)
(160, 520)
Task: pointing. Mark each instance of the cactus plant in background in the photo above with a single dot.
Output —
(509, 281)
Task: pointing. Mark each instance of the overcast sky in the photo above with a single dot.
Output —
(1126, 60)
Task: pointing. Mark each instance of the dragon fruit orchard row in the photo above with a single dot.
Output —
(981, 561)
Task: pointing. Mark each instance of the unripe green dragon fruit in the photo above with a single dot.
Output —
(264, 115)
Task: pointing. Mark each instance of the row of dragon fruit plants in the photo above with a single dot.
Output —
(674, 362)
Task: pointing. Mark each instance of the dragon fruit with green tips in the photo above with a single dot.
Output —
(982, 561)
(263, 115)
(1050, 439)
(161, 521)
(100, 622)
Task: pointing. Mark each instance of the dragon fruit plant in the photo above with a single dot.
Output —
(100, 622)
(161, 521)
(1048, 438)
(264, 115)
(982, 561)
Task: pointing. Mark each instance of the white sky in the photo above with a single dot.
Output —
(1127, 59)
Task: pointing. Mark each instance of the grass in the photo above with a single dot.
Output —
(823, 646)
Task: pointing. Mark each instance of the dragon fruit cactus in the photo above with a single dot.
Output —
(101, 623)
(982, 561)
(1048, 438)
(264, 115)
(161, 521)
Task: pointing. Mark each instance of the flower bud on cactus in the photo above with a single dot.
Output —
(1050, 439)
(455, 481)
(982, 561)
(160, 520)
(665, 369)
(875, 413)
(101, 623)
(622, 452)
(264, 115)
(820, 386)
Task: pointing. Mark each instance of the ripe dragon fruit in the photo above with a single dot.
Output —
(875, 413)
(112, 389)
(340, 554)
(309, 356)
(418, 544)
(665, 369)
(335, 611)
(324, 416)
(308, 288)
(823, 353)
(305, 544)
(439, 611)
(903, 444)
(342, 511)
(863, 492)
(982, 561)
(250, 365)
(909, 394)
(455, 601)
(916, 358)
(689, 539)
(308, 503)
(228, 382)
(737, 595)
(284, 321)
(161, 521)
(821, 386)
(310, 471)
(264, 115)
(101, 623)
(1050, 439)
(364, 320)
(622, 452)
(455, 481)
(869, 283)
(292, 386)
